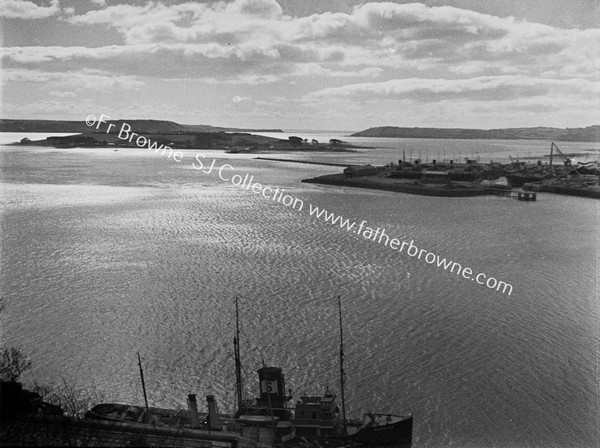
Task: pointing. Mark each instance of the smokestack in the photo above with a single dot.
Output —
(213, 419)
(193, 408)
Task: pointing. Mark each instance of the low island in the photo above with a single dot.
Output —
(115, 133)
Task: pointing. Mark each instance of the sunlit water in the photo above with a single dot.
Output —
(106, 253)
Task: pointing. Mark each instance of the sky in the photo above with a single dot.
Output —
(304, 64)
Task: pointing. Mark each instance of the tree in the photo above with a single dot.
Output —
(12, 364)
(295, 140)
(12, 361)
(74, 401)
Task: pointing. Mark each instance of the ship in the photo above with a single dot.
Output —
(269, 418)
(319, 419)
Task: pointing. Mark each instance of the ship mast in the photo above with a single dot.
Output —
(238, 361)
(342, 374)
(143, 383)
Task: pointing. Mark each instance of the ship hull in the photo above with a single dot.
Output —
(397, 433)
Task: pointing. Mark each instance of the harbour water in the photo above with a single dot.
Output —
(106, 253)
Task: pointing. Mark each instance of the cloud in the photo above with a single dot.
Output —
(386, 35)
(22, 9)
(48, 109)
(84, 80)
(209, 62)
(260, 8)
(419, 55)
(417, 19)
(62, 94)
(483, 88)
(33, 56)
(316, 69)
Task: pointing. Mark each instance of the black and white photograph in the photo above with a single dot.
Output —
(300, 223)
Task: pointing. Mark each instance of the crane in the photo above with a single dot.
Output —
(566, 160)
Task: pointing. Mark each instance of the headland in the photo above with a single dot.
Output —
(586, 134)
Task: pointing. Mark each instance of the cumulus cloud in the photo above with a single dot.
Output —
(83, 80)
(62, 94)
(48, 109)
(416, 53)
(187, 22)
(260, 8)
(387, 35)
(38, 55)
(22, 9)
(315, 69)
(419, 19)
(483, 88)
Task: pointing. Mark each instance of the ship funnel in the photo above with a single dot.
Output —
(193, 408)
(213, 419)
(272, 387)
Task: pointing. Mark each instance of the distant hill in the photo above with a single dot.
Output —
(588, 134)
(139, 126)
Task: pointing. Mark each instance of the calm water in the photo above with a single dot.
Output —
(106, 253)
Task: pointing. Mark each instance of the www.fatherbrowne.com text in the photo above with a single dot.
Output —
(380, 236)
(226, 173)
